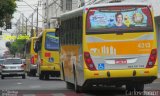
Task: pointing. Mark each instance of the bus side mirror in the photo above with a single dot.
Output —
(36, 48)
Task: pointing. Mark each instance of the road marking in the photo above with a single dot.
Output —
(19, 83)
(36, 86)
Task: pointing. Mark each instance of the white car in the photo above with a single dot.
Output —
(13, 67)
(1, 62)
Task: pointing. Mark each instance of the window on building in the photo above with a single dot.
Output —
(61, 3)
(69, 5)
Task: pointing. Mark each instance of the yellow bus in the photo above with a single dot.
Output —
(47, 47)
(31, 57)
(108, 44)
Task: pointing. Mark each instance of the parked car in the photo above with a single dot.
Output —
(13, 67)
(1, 62)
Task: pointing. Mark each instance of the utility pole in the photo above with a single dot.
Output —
(37, 23)
(26, 25)
(47, 13)
(22, 23)
(32, 34)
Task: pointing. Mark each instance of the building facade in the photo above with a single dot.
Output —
(51, 9)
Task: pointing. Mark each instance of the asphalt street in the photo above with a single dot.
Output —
(32, 86)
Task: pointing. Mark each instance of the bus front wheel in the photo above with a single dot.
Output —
(139, 87)
(46, 76)
(41, 76)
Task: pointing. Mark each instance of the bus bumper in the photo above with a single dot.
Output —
(122, 77)
(50, 68)
(119, 81)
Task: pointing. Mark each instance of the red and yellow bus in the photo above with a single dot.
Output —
(108, 44)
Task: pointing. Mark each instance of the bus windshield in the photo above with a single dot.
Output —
(119, 19)
(52, 42)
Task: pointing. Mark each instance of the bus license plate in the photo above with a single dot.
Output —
(121, 61)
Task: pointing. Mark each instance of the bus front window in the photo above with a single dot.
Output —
(119, 19)
(52, 42)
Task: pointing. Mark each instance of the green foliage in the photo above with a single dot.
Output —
(17, 46)
(7, 8)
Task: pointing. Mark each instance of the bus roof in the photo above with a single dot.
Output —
(46, 30)
(49, 30)
(117, 4)
(79, 11)
(34, 37)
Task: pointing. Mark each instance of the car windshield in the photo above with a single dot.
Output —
(13, 61)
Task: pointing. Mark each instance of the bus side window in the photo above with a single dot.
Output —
(79, 30)
(65, 32)
(73, 31)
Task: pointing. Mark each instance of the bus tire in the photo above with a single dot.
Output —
(46, 76)
(129, 88)
(28, 74)
(2, 77)
(33, 73)
(139, 87)
(41, 76)
(24, 76)
(63, 76)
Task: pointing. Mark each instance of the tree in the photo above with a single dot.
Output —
(7, 8)
(16, 47)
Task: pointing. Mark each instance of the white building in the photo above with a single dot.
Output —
(51, 9)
